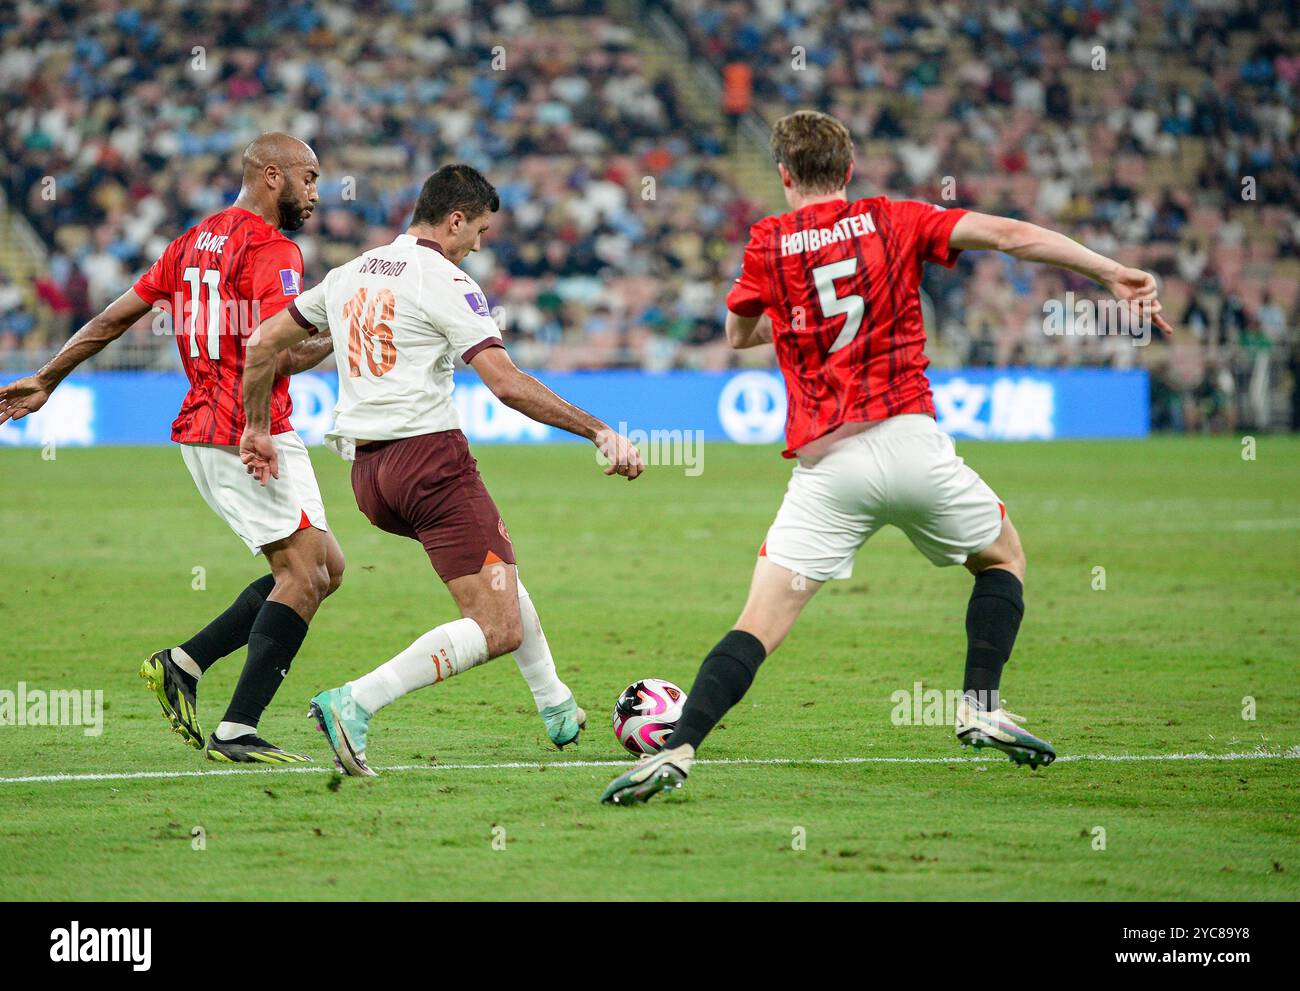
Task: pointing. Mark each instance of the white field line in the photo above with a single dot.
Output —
(1291, 754)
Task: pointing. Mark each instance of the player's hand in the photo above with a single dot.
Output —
(622, 455)
(20, 397)
(1138, 288)
(257, 452)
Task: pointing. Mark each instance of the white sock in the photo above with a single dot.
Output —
(228, 731)
(443, 652)
(534, 657)
(186, 663)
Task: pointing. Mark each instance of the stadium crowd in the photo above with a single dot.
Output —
(621, 228)
(138, 113)
(1163, 133)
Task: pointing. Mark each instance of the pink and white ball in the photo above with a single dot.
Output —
(646, 714)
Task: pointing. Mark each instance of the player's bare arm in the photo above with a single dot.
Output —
(748, 332)
(305, 355)
(522, 392)
(272, 340)
(27, 395)
(1038, 244)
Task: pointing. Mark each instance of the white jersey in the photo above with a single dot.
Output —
(400, 315)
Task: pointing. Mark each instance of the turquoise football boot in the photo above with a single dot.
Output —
(345, 725)
(564, 722)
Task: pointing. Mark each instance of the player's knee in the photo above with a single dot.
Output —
(504, 635)
(1014, 558)
(334, 573)
(512, 635)
(308, 583)
(321, 582)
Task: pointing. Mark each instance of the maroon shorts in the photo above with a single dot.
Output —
(428, 488)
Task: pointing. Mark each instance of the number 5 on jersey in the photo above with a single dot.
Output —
(851, 306)
(370, 332)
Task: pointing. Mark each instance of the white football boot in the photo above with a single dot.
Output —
(666, 770)
(997, 728)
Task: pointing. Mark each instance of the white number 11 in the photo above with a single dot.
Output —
(212, 279)
(851, 306)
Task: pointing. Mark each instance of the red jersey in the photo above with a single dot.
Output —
(841, 283)
(220, 279)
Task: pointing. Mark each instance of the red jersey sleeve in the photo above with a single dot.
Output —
(277, 276)
(158, 282)
(932, 228)
(748, 295)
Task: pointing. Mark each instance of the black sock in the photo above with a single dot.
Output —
(229, 631)
(997, 604)
(277, 634)
(724, 677)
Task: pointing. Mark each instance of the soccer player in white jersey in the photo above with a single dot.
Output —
(400, 315)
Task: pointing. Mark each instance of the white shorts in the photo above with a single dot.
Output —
(902, 471)
(259, 516)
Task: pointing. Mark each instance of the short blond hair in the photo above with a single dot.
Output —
(815, 148)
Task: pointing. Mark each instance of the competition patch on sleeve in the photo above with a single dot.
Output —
(290, 282)
(477, 302)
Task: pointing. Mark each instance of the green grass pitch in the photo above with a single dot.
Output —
(1199, 615)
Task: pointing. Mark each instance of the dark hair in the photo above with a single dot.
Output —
(815, 148)
(455, 187)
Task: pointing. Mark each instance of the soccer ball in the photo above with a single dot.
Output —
(646, 714)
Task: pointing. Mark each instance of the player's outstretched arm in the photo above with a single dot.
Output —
(27, 395)
(261, 356)
(522, 392)
(1037, 244)
(748, 332)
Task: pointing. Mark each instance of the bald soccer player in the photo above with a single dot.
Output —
(219, 280)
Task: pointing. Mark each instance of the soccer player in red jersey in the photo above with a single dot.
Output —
(219, 280)
(834, 285)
